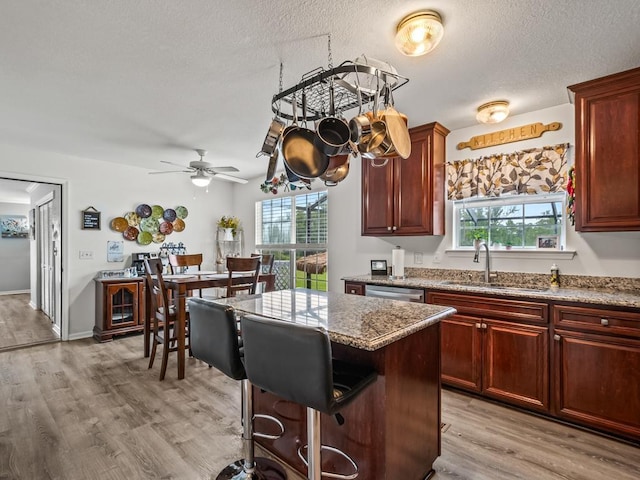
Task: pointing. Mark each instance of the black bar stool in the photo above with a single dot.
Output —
(294, 362)
(214, 340)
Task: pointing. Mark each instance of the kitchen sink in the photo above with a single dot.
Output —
(492, 286)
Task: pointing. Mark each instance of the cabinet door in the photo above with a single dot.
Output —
(597, 381)
(377, 198)
(419, 184)
(461, 352)
(608, 153)
(516, 363)
(122, 305)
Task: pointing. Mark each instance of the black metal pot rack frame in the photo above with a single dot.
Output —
(315, 86)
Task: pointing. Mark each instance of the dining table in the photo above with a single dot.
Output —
(180, 285)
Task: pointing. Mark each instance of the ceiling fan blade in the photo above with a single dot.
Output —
(171, 171)
(231, 178)
(222, 169)
(174, 164)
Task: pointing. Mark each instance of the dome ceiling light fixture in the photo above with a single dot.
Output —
(493, 112)
(419, 33)
(201, 179)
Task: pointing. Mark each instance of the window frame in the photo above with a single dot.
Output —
(458, 205)
(293, 246)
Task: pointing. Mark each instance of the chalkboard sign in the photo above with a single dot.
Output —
(90, 219)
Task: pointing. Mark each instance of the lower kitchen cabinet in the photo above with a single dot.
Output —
(487, 348)
(119, 307)
(596, 368)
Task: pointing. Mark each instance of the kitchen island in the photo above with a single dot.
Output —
(392, 430)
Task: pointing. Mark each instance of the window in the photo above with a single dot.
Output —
(294, 230)
(514, 221)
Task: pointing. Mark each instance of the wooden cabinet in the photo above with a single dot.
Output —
(596, 368)
(354, 288)
(406, 196)
(497, 347)
(607, 116)
(119, 307)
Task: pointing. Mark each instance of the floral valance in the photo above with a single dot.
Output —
(534, 171)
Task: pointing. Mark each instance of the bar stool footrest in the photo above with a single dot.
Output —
(267, 435)
(331, 474)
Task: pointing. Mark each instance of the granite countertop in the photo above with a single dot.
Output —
(362, 322)
(620, 292)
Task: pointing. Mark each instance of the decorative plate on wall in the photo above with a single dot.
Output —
(131, 233)
(157, 211)
(144, 238)
(178, 225)
(182, 212)
(132, 218)
(119, 224)
(166, 228)
(143, 210)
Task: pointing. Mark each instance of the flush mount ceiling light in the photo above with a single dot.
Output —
(493, 112)
(200, 179)
(419, 33)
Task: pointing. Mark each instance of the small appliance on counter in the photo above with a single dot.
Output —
(137, 261)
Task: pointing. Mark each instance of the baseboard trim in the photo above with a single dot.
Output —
(14, 292)
(80, 336)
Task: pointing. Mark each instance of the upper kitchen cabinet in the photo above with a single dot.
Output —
(406, 197)
(608, 153)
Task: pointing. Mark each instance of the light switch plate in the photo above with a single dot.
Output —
(417, 258)
(86, 255)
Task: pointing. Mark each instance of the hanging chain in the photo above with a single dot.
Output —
(329, 49)
(280, 90)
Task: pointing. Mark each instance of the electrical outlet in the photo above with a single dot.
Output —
(417, 258)
(86, 255)
(437, 257)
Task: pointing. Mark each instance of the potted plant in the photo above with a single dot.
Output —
(478, 235)
(230, 225)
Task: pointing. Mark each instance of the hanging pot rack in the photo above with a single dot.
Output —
(315, 85)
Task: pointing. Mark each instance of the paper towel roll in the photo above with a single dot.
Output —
(397, 262)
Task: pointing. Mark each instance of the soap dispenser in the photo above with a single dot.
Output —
(555, 276)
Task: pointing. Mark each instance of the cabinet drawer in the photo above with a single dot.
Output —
(500, 308)
(354, 288)
(597, 320)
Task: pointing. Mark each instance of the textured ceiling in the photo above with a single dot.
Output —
(139, 81)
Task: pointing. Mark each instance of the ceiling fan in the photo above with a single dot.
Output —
(204, 171)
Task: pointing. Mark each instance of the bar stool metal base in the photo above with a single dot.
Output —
(264, 469)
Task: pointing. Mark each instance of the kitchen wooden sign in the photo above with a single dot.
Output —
(516, 134)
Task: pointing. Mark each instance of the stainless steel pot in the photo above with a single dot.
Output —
(273, 135)
(332, 133)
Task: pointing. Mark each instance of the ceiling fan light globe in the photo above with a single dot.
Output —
(200, 180)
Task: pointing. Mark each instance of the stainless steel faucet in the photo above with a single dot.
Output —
(487, 267)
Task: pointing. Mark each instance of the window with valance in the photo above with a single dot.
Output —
(533, 171)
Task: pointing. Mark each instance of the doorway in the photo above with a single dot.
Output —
(32, 315)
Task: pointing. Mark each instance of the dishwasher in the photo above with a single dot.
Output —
(395, 293)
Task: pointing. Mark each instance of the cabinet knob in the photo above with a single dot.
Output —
(604, 322)
(556, 337)
(389, 229)
(352, 290)
(478, 325)
(484, 325)
(395, 228)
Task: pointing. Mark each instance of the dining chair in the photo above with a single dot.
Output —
(266, 267)
(164, 318)
(249, 268)
(180, 263)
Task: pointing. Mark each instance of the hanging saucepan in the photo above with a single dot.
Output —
(332, 133)
(337, 171)
(273, 135)
(299, 151)
(397, 130)
(273, 163)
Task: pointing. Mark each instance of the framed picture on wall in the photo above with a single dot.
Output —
(14, 226)
(548, 242)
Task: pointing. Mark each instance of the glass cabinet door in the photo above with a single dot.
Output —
(122, 305)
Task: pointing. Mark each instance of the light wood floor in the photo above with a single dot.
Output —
(83, 410)
(21, 325)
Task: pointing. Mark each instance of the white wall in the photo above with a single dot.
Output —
(14, 254)
(600, 254)
(113, 189)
